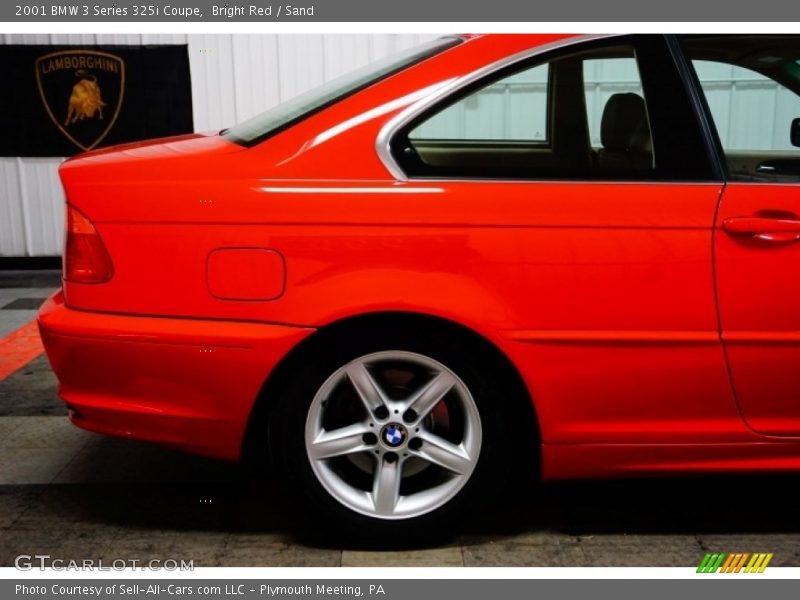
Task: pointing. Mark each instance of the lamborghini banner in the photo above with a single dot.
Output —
(61, 100)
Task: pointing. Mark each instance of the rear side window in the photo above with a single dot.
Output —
(580, 115)
(512, 109)
(751, 85)
(616, 109)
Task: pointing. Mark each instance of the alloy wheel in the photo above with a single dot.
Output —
(393, 435)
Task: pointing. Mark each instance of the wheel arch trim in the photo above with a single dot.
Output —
(278, 376)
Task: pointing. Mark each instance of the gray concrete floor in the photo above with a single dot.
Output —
(75, 495)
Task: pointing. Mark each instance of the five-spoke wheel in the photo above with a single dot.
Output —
(393, 434)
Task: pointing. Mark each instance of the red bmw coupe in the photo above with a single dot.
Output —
(527, 255)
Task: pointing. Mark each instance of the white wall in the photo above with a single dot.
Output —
(233, 78)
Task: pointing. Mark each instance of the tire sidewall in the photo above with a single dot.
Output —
(287, 428)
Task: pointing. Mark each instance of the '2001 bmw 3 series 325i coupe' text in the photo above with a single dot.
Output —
(488, 257)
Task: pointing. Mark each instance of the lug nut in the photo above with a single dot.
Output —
(410, 416)
(415, 443)
(370, 438)
(381, 412)
(390, 457)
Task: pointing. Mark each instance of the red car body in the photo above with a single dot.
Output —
(648, 338)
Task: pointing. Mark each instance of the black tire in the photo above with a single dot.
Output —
(500, 433)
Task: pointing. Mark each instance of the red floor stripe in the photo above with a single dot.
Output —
(19, 348)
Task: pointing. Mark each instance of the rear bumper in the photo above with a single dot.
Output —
(182, 382)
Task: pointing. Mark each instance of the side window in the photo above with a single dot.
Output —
(752, 88)
(511, 109)
(580, 116)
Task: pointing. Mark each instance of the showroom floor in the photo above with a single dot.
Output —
(74, 495)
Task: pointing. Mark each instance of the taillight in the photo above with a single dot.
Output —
(86, 259)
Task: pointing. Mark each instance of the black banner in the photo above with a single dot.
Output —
(419, 11)
(267, 587)
(62, 100)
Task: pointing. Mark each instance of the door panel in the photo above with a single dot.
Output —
(758, 280)
(751, 85)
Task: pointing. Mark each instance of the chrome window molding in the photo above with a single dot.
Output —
(387, 132)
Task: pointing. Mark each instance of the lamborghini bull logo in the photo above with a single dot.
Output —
(85, 99)
(82, 92)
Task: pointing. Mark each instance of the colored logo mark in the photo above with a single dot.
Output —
(744, 562)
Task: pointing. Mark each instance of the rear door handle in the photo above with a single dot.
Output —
(765, 229)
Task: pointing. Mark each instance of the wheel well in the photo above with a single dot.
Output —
(255, 445)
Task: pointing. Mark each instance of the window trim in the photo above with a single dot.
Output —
(395, 127)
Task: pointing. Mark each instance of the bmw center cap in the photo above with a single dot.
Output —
(393, 435)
